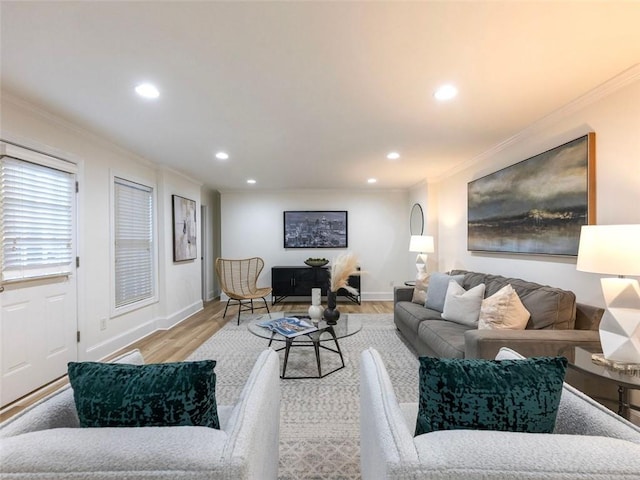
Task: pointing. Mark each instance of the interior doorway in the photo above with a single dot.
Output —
(203, 253)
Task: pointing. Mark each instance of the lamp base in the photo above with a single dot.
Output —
(620, 324)
(421, 263)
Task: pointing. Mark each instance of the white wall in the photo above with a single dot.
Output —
(179, 286)
(378, 223)
(613, 113)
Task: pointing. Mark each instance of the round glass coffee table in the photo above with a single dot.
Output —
(326, 337)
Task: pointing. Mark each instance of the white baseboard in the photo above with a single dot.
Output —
(110, 346)
(177, 317)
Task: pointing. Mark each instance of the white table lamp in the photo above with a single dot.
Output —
(422, 244)
(615, 249)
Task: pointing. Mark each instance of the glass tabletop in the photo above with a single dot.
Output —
(581, 360)
(347, 325)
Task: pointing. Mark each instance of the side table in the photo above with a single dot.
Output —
(580, 361)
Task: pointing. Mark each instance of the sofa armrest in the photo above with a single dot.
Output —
(254, 424)
(588, 317)
(579, 414)
(530, 343)
(56, 410)
(402, 294)
(386, 443)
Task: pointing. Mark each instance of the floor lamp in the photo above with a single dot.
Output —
(615, 249)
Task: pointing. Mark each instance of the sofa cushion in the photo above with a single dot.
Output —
(507, 395)
(146, 452)
(413, 314)
(550, 307)
(437, 289)
(164, 394)
(503, 310)
(463, 306)
(445, 339)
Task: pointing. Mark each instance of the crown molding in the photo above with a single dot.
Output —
(89, 135)
(177, 173)
(69, 125)
(616, 83)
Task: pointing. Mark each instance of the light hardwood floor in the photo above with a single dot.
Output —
(179, 342)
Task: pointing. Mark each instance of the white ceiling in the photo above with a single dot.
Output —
(312, 94)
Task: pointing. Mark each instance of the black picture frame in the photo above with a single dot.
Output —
(315, 229)
(185, 232)
(536, 206)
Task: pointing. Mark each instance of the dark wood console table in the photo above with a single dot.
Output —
(298, 282)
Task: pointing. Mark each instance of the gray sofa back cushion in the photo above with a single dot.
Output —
(550, 307)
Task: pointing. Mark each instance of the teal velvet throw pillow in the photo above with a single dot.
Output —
(473, 394)
(154, 395)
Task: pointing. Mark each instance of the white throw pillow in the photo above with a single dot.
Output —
(503, 310)
(463, 306)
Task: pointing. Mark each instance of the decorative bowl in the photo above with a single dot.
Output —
(316, 262)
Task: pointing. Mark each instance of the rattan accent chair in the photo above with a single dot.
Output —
(238, 280)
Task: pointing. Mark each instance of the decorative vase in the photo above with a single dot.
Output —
(331, 313)
(315, 310)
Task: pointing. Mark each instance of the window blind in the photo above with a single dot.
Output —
(36, 223)
(134, 249)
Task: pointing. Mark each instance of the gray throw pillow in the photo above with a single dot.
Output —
(437, 289)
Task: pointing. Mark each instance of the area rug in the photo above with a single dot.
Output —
(319, 418)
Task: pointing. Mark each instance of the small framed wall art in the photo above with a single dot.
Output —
(184, 229)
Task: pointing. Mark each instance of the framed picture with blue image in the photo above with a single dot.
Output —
(315, 229)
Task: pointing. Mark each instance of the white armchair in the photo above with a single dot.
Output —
(589, 441)
(45, 440)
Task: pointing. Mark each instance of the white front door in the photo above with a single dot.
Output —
(38, 299)
(38, 329)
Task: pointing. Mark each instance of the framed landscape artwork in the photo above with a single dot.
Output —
(184, 229)
(536, 206)
(315, 229)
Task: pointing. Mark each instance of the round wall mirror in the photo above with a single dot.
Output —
(416, 220)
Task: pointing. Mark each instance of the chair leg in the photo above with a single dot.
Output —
(239, 310)
(265, 304)
(225, 308)
(252, 305)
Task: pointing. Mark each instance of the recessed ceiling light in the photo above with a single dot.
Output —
(445, 92)
(222, 155)
(393, 155)
(251, 181)
(147, 90)
(372, 180)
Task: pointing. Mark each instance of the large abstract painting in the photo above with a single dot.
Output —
(184, 229)
(536, 206)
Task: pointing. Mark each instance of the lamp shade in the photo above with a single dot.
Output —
(610, 249)
(421, 244)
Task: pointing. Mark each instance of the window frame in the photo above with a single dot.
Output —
(121, 310)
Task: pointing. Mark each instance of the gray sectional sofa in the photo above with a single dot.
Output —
(556, 322)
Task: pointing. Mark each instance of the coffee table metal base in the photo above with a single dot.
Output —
(314, 341)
